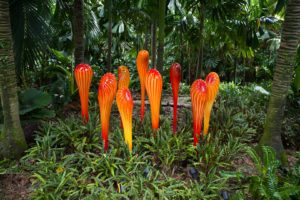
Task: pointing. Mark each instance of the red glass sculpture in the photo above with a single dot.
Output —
(106, 94)
(124, 77)
(125, 106)
(198, 96)
(142, 62)
(153, 85)
(83, 76)
(212, 82)
(175, 76)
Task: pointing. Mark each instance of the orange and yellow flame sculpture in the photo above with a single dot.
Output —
(175, 76)
(124, 80)
(212, 82)
(198, 96)
(106, 94)
(124, 77)
(153, 85)
(125, 106)
(142, 62)
(83, 76)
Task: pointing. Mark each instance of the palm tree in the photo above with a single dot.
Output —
(12, 140)
(108, 13)
(161, 33)
(31, 33)
(78, 31)
(282, 77)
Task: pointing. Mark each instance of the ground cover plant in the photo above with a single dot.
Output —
(67, 160)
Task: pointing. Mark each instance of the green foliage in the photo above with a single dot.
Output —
(61, 78)
(31, 34)
(68, 161)
(241, 111)
(269, 182)
(33, 104)
(297, 78)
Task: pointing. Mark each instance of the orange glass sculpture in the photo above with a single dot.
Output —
(153, 85)
(212, 82)
(124, 77)
(106, 94)
(125, 106)
(175, 76)
(83, 76)
(142, 62)
(124, 80)
(198, 96)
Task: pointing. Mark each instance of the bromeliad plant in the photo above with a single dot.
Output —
(124, 77)
(198, 96)
(175, 76)
(125, 106)
(106, 94)
(83, 76)
(212, 82)
(142, 62)
(153, 85)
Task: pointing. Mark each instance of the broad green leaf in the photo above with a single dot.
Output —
(297, 78)
(171, 6)
(121, 27)
(32, 99)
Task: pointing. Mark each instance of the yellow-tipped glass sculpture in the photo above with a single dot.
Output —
(125, 106)
(212, 82)
(153, 85)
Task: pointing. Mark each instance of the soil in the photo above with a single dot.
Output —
(15, 187)
(30, 129)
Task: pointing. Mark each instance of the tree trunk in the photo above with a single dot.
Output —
(161, 34)
(147, 38)
(12, 140)
(153, 43)
(200, 55)
(78, 31)
(109, 56)
(282, 78)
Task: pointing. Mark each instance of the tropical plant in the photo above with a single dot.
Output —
(31, 34)
(282, 78)
(12, 140)
(35, 105)
(268, 183)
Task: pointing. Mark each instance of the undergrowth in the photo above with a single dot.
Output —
(67, 160)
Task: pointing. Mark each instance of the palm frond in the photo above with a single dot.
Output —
(30, 32)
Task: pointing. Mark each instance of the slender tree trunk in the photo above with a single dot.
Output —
(282, 78)
(200, 54)
(235, 71)
(153, 43)
(189, 64)
(161, 34)
(109, 56)
(78, 31)
(12, 140)
(147, 38)
(182, 57)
